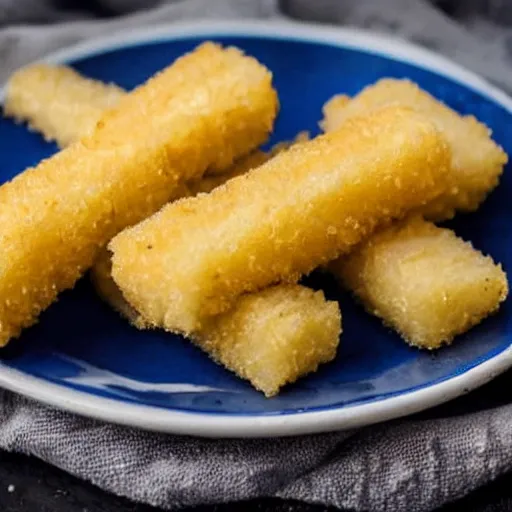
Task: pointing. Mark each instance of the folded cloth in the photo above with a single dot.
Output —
(407, 465)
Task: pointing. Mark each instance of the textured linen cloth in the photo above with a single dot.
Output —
(409, 465)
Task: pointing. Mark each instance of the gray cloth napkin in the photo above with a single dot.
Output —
(408, 465)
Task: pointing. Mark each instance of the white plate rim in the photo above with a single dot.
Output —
(286, 424)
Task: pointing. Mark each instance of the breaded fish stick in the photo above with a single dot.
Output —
(274, 336)
(205, 110)
(477, 161)
(271, 338)
(64, 106)
(303, 208)
(423, 281)
(58, 102)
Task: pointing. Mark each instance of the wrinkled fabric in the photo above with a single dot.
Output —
(410, 465)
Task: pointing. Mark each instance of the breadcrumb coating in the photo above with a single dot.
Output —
(58, 102)
(423, 281)
(243, 165)
(65, 106)
(301, 209)
(477, 161)
(206, 184)
(274, 336)
(210, 107)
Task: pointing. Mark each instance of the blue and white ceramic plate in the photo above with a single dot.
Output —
(83, 357)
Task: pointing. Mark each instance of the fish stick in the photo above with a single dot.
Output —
(301, 209)
(274, 336)
(271, 337)
(423, 281)
(64, 106)
(86, 102)
(477, 161)
(208, 108)
(58, 102)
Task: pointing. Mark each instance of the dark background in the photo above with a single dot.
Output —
(30, 485)
(42, 488)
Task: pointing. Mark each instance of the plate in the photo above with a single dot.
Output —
(84, 358)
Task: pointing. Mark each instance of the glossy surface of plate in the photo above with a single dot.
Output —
(83, 357)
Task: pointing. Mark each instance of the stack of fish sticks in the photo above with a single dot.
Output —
(207, 109)
(222, 267)
(301, 209)
(421, 279)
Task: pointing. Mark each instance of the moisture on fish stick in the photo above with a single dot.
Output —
(58, 102)
(423, 281)
(208, 108)
(477, 161)
(271, 338)
(300, 210)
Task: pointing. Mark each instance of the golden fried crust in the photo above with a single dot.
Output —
(274, 336)
(58, 102)
(244, 165)
(423, 281)
(477, 161)
(65, 106)
(301, 209)
(208, 108)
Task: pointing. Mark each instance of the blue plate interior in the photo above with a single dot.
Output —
(80, 343)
